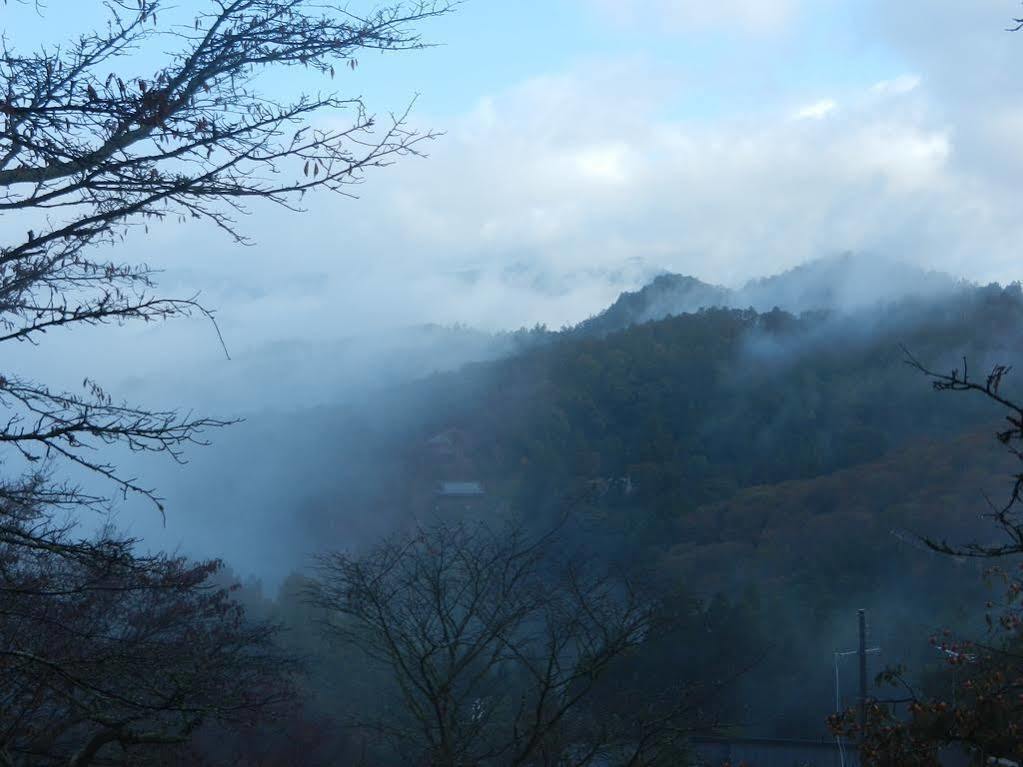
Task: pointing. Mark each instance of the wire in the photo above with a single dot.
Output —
(838, 710)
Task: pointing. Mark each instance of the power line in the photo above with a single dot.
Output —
(861, 652)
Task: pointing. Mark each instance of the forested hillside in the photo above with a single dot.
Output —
(771, 472)
(694, 407)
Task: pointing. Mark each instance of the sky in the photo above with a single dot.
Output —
(587, 146)
(590, 144)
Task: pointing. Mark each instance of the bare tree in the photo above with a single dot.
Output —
(105, 653)
(496, 647)
(90, 149)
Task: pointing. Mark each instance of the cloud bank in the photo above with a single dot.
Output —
(546, 199)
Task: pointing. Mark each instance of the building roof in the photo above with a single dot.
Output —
(459, 488)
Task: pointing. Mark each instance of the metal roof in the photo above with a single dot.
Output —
(459, 488)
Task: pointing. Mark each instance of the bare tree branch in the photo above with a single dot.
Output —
(1005, 515)
(91, 148)
(495, 647)
(103, 646)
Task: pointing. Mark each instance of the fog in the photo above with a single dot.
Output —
(677, 281)
(325, 425)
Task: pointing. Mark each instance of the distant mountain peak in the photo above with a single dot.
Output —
(666, 295)
(844, 282)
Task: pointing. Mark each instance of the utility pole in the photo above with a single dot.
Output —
(861, 652)
(863, 670)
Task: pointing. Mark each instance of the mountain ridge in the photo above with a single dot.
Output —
(839, 283)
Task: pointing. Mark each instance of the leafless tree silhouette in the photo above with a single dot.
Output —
(496, 645)
(91, 148)
(104, 652)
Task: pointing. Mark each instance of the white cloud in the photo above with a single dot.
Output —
(571, 191)
(817, 110)
(608, 162)
(545, 200)
(897, 85)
